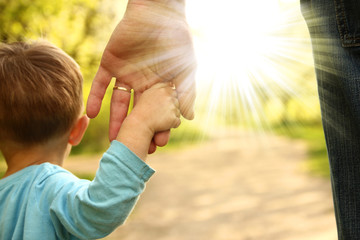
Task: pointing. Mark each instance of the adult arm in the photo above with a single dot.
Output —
(152, 43)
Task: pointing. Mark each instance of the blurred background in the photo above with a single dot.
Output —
(257, 125)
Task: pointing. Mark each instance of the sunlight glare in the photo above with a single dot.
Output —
(245, 55)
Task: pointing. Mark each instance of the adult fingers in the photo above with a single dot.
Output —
(118, 108)
(162, 85)
(186, 89)
(162, 138)
(152, 147)
(97, 92)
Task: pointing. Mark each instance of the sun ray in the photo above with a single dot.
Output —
(249, 54)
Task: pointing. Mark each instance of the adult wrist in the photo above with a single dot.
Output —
(162, 1)
(175, 6)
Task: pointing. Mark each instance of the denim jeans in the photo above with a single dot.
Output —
(334, 26)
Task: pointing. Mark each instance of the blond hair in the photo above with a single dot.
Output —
(40, 92)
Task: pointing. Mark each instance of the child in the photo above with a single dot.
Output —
(40, 119)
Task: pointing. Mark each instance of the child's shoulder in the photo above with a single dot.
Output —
(41, 176)
(45, 180)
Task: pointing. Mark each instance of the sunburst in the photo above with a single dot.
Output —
(249, 54)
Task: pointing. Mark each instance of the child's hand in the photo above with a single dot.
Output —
(158, 108)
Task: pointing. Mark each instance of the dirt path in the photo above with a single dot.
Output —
(235, 187)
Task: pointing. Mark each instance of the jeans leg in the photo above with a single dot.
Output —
(334, 26)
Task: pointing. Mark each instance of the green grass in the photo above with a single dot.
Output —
(317, 162)
(88, 176)
(2, 165)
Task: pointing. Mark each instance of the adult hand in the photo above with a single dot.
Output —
(151, 44)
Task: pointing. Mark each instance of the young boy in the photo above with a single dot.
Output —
(40, 119)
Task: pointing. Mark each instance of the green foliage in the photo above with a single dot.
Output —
(2, 165)
(88, 176)
(80, 27)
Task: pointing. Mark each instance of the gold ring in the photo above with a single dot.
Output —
(122, 89)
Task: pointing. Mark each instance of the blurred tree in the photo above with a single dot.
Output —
(80, 27)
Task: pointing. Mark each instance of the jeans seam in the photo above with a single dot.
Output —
(343, 26)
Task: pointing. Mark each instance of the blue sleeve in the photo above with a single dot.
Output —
(94, 209)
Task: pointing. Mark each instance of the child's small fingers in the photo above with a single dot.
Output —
(174, 93)
(160, 85)
(176, 103)
(178, 113)
(177, 122)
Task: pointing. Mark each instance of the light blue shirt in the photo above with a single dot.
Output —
(47, 202)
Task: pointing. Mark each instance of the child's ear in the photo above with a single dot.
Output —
(78, 130)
